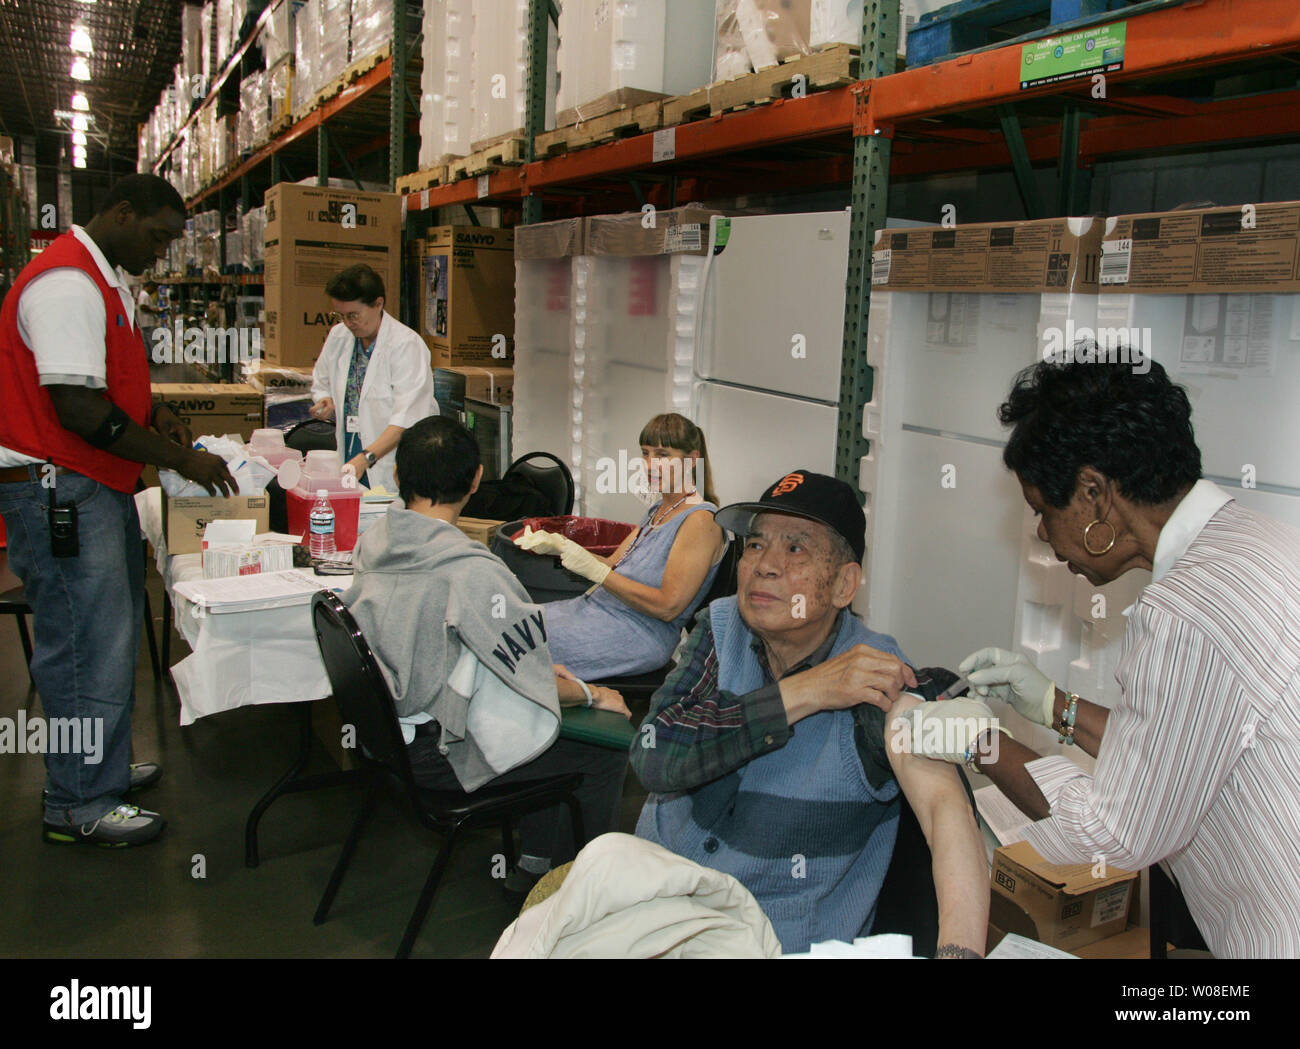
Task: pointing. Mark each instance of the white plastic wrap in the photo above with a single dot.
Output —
(759, 34)
(372, 26)
(332, 39)
(663, 46)
(306, 50)
(277, 32)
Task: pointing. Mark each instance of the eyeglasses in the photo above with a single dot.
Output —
(352, 317)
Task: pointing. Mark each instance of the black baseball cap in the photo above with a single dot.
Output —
(804, 493)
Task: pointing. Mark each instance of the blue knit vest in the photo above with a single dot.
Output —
(800, 827)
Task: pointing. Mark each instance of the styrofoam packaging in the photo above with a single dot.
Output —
(498, 67)
(546, 255)
(664, 46)
(372, 27)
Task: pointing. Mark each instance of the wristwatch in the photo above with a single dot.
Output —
(371, 458)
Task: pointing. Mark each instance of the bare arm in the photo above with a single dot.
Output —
(961, 874)
(692, 553)
(83, 411)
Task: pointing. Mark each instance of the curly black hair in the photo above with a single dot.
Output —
(1136, 428)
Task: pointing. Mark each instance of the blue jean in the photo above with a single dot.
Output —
(88, 612)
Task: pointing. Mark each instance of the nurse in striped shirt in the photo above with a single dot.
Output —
(1199, 763)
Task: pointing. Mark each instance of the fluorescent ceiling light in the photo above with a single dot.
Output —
(78, 138)
(80, 41)
(79, 152)
(80, 69)
(80, 103)
(79, 122)
(78, 162)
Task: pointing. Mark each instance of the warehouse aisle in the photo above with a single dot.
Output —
(78, 902)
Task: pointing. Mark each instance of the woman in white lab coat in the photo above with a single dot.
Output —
(373, 377)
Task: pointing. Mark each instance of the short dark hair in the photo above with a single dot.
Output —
(436, 460)
(357, 283)
(147, 195)
(1136, 428)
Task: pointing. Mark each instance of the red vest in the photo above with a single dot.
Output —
(28, 422)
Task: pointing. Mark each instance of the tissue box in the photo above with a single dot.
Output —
(252, 559)
(186, 517)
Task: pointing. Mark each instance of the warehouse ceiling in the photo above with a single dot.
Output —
(135, 44)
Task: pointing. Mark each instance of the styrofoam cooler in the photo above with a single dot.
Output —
(664, 46)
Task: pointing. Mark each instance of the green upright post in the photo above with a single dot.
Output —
(870, 201)
(539, 18)
(397, 98)
(322, 155)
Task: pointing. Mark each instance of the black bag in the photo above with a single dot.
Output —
(508, 500)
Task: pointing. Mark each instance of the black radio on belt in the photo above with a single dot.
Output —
(63, 528)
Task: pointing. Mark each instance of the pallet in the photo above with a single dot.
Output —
(280, 125)
(969, 25)
(350, 75)
(619, 123)
(832, 67)
(418, 181)
(507, 153)
(622, 98)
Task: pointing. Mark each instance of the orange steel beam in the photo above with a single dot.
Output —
(353, 93)
(1191, 36)
(1275, 115)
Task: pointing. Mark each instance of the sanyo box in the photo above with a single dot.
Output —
(312, 232)
(1063, 906)
(185, 517)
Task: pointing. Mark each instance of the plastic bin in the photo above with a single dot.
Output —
(347, 513)
(542, 575)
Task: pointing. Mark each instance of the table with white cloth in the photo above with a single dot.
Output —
(243, 658)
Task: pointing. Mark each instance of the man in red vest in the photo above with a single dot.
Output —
(76, 425)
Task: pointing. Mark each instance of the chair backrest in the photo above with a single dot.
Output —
(724, 581)
(311, 436)
(548, 473)
(358, 684)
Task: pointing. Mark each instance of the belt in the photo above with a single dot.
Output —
(32, 472)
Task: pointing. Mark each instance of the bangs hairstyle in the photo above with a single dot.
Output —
(675, 431)
(1135, 428)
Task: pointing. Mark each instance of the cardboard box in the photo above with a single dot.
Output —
(560, 239)
(680, 231)
(452, 385)
(1043, 255)
(1255, 247)
(312, 233)
(467, 295)
(185, 517)
(480, 528)
(1063, 906)
(277, 377)
(216, 408)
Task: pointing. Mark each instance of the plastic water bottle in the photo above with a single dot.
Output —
(322, 526)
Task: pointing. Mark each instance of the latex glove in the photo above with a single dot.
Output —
(540, 542)
(1011, 677)
(581, 561)
(946, 730)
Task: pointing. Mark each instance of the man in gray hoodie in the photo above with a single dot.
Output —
(465, 655)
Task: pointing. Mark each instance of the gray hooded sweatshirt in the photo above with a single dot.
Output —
(430, 601)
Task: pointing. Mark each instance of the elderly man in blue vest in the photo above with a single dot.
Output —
(777, 749)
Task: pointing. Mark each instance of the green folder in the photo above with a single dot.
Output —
(601, 728)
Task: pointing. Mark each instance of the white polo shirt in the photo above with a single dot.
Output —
(61, 319)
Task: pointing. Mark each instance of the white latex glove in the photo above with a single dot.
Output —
(541, 542)
(1009, 676)
(581, 561)
(946, 730)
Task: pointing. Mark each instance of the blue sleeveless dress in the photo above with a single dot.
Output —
(598, 636)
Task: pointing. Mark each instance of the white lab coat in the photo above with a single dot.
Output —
(398, 389)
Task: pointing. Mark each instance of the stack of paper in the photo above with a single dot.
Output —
(248, 593)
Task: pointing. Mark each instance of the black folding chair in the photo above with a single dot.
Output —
(366, 703)
(548, 474)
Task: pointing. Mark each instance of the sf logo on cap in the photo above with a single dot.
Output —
(787, 484)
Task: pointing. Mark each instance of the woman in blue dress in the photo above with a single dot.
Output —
(647, 590)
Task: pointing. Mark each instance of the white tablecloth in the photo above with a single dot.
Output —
(237, 658)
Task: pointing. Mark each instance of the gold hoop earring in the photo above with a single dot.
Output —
(1105, 549)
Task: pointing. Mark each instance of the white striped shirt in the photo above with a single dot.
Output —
(1200, 762)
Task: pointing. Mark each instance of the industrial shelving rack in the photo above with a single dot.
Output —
(1195, 73)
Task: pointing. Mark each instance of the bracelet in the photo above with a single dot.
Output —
(953, 950)
(1068, 716)
(587, 692)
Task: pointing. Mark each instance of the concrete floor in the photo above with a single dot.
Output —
(83, 902)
